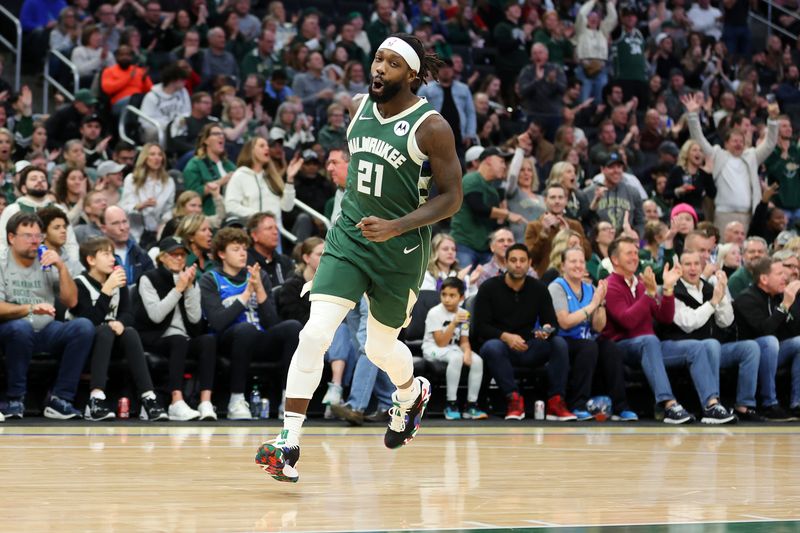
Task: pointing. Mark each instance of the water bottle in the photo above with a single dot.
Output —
(264, 408)
(255, 401)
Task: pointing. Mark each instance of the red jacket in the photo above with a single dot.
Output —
(630, 317)
(119, 84)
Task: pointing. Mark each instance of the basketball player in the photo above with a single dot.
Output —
(380, 243)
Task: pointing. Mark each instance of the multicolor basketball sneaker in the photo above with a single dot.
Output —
(278, 460)
(404, 421)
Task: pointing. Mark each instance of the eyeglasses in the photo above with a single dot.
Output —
(31, 237)
(215, 133)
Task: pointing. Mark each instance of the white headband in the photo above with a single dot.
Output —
(404, 50)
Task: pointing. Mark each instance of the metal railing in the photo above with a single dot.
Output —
(772, 26)
(15, 49)
(136, 111)
(48, 79)
(313, 213)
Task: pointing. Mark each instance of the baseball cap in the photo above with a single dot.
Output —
(668, 147)
(109, 167)
(354, 15)
(494, 150)
(628, 9)
(675, 72)
(613, 159)
(660, 38)
(91, 117)
(19, 166)
(310, 155)
(276, 134)
(85, 96)
(170, 244)
(473, 153)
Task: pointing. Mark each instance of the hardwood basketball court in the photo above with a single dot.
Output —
(126, 476)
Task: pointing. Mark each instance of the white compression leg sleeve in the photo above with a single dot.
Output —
(305, 370)
(388, 353)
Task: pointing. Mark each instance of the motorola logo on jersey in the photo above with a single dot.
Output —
(401, 128)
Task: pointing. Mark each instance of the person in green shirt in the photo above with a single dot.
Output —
(782, 168)
(754, 249)
(480, 213)
(630, 64)
(552, 36)
(334, 133)
(262, 59)
(513, 42)
(209, 169)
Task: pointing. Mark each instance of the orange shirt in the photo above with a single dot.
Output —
(119, 84)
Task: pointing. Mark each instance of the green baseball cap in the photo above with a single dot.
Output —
(85, 96)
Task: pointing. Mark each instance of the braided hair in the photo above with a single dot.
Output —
(429, 61)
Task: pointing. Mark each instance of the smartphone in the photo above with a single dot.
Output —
(771, 98)
(547, 330)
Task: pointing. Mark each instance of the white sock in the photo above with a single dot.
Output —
(100, 395)
(293, 426)
(149, 395)
(236, 397)
(408, 395)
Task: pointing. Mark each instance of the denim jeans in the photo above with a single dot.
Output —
(655, 356)
(368, 379)
(745, 354)
(342, 349)
(499, 360)
(592, 87)
(776, 354)
(737, 39)
(71, 340)
(467, 256)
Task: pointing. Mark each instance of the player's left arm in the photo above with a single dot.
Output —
(435, 139)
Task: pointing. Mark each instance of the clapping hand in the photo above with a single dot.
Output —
(649, 280)
(671, 276)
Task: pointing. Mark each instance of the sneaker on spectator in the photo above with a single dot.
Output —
(749, 415)
(15, 409)
(60, 409)
(582, 415)
(473, 412)
(152, 410)
(717, 414)
(97, 410)
(676, 414)
(625, 416)
(775, 413)
(344, 412)
(451, 411)
(328, 413)
(333, 395)
(239, 410)
(181, 412)
(516, 407)
(379, 416)
(557, 410)
(207, 411)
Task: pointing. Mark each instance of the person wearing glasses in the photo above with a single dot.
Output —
(31, 284)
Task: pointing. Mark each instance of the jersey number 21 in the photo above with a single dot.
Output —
(365, 182)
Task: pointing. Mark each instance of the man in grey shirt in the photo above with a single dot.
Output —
(28, 290)
(311, 86)
(215, 60)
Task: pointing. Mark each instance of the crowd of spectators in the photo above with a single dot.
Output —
(631, 199)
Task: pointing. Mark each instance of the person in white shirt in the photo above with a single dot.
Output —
(148, 195)
(735, 166)
(592, 51)
(446, 339)
(165, 102)
(706, 19)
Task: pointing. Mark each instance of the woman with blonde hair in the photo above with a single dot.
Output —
(690, 181)
(148, 194)
(521, 186)
(564, 173)
(729, 258)
(195, 231)
(442, 264)
(210, 169)
(564, 239)
(257, 186)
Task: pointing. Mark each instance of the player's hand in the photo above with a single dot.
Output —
(378, 229)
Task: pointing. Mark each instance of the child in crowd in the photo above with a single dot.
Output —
(447, 339)
(103, 298)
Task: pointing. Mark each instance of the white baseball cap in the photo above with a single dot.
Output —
(473, 153)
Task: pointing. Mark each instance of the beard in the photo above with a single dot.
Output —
(37, 193)
(390, 90)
